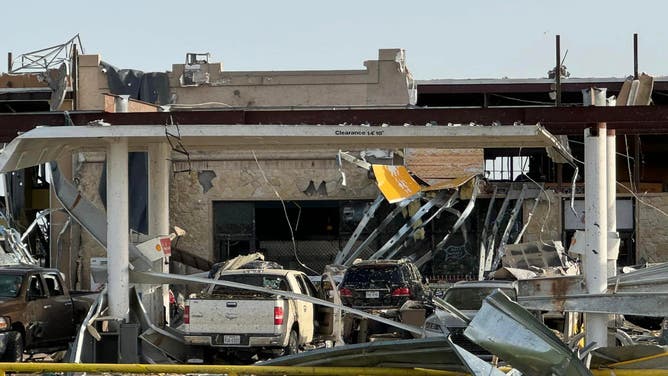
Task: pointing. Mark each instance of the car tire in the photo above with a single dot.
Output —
(14, 350)
(293, 344)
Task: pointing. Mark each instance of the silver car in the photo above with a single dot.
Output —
(466, 297)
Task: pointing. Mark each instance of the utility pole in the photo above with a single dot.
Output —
(635, 56)
(557, 73)
(636, 151)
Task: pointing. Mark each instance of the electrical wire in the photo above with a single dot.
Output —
(628, 164)
(632, 191)
(582, 143)
(549, 202)
(299, 215)
(285, 211)
(641, 201)
(522, 100)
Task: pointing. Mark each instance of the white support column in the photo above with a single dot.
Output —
(595, 257)
(118, 228)
(613, 236)
(158, 189)
(158, 221)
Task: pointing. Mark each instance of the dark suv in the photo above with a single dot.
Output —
(381, 284)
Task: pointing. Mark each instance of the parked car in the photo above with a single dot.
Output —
(242, 323)
(382, 284)
(37, 311)
(392, 289)
(467, 297)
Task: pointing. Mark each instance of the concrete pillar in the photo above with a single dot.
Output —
(595, 257)
(158, 218)
(613, 236)
(118, 228)
(158, 190)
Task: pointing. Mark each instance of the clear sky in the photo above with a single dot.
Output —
(442, 39)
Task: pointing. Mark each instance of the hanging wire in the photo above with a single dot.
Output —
(628, 165)
(632, 190)
(542, 191)
(641, 200)
(299, 215)
(521, 100)
(285, 211)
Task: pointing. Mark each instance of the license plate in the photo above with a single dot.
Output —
(231, 340)
(372, 294)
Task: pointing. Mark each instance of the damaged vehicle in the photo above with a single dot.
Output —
(390, 288)
(240, 323)
(467, 297)
(37, 311)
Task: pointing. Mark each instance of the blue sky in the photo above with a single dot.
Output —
(442, 39)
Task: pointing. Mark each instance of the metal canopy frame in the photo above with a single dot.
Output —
(44, 144)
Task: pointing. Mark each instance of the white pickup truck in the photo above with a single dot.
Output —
(243, 322)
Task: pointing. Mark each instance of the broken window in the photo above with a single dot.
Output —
(267, 281)
(507, 168)
(310, 220)
(233, 229)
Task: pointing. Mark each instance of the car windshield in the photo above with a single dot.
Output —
(10, 285)
(470, 298)
(267, 281)
(373, 275)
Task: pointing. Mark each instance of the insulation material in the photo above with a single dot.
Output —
(395, 182)
(152, 87)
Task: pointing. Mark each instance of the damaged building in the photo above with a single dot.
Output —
(230, 203)
(453, 174)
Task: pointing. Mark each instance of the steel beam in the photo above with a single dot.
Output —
(377, 231)
(641, 304)
(368, 214)
(565, 120)
(410, 224)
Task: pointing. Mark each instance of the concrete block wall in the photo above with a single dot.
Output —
(92, 83)
(652, 231)
(546, 223)
(385, 81)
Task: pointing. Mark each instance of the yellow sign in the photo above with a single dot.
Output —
(395, 182)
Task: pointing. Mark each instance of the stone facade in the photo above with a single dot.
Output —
(243, 180)
(652, 239)
(546, 222)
